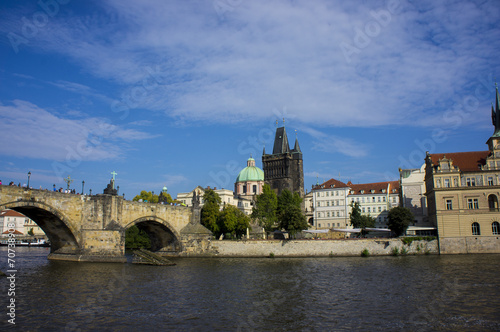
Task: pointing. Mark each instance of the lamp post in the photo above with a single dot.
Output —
(29, 175)
(90, 192)
(83, 185)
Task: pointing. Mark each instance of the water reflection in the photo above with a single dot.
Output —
(415, 293)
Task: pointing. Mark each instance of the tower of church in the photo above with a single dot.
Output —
(283, 169)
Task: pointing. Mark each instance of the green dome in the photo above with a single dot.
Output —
(250, 173)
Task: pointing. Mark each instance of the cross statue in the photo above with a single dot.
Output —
(68, 181)
(114, 174)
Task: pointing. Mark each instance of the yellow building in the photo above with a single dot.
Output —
(462, 192)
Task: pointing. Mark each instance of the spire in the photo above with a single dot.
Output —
(296, 148)
(281, 142)
(495, 113)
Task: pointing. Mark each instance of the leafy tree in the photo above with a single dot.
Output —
(360, 221)
(264, 210)
(232, 220)
(136, 238)
(165, 198)
(289, 213)
(210, 211)
(146, 196)
(399, 220)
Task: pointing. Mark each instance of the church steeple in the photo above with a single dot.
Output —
(296, 147)
(495, 114)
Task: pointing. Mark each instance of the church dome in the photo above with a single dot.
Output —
(250, 173)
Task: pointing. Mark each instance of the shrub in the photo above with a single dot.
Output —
(365, 253)
(271, 255)
(395, 251)
(331, 254)
(404, 251)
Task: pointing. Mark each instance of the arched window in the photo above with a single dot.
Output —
(475, 229)
(495, 228)
(493, 202)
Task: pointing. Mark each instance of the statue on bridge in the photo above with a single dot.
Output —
(110, 189)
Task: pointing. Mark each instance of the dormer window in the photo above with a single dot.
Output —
(383, 191)
(362, 191)
(372, 191)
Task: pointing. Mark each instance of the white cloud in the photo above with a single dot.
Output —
(261, 55)
(30, 131)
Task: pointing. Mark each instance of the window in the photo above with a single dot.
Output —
(327, 203)
(379, 209)
(490, 180)
(471, 182)
(328, 224)
(338, 213)
(476, 230)
(495, 228)
(336, 193)
(378, 200)
(319, 225)
(328, 215)
(394, 199)
(369, 210)
(447, 183)
(363, 210)
(319, 203)
(383, 199)
(244, 189)
(472, 203)
(493, 202)
(438, 183)
(254, 188)
(449, 204)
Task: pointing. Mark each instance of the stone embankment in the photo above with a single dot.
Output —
(321, 248)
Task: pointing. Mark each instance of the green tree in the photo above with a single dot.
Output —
(360, 221)
(289, 213)
(233, 221)
(165, 198)
(399, 220)
(264, 210)
(211, 211)
(136, 238)
(146, 196)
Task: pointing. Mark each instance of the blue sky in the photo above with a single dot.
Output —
(180, 93)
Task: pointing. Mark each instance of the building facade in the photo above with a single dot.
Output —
(375, 199)
(227, 196)
(462, 192)
(283, 169)
(23, 224)
(330, 205)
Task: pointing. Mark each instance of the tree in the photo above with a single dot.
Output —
(233, 221)
(360, 221)
(136, 238)
(289, 212)
(264, 210)
(146, 196)
(165, 198)
(399, 220)
(210, 211)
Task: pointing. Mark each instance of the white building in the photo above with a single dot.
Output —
(227, 197)
(375, 199)
(23, 224)
(330, 205)
(413, 197)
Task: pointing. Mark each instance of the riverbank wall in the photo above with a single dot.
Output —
(320, 248)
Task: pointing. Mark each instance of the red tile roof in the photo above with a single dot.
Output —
(466, 161)
(11, 213)
(332, 183)
(377, 187)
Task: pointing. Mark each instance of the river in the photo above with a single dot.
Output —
(412, 293)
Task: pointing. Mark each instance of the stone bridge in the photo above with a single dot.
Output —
(92, 228)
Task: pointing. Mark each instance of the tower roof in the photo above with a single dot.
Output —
(281, 142)
(495, 114)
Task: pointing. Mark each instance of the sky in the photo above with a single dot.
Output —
(182, 93)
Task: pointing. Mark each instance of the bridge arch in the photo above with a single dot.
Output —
(60, 232)
(164, 238)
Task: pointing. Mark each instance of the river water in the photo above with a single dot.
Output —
(412, 293)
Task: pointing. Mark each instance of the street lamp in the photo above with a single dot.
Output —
(29, 175)
(90, 192)
(83, 185)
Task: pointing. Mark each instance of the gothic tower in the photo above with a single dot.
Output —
(283, 169)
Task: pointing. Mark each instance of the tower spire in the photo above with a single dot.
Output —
(495, 113)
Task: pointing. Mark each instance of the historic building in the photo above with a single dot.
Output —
(412, 196)
(283, 169)
(331, 209)
(375, 199)
(462, 190)
(250, 180)
(23, 224)
(227, 196)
